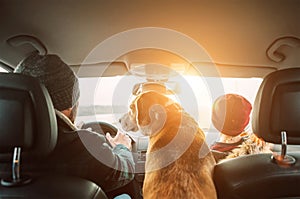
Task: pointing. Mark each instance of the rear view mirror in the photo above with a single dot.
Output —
(168, 88)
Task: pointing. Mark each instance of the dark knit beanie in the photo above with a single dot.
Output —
(59, 79)
(230, 114)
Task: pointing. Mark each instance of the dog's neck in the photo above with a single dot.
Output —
(167, 133)
(171, 142)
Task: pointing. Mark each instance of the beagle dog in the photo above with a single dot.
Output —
(179, 164)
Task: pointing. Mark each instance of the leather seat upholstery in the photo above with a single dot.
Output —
(28, 124)
(276, 109)
(49, 187)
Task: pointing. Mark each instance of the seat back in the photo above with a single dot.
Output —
(28, 128)
(275, 119)
(27, 116)
(277, 107)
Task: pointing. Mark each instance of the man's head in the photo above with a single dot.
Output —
(59, 79)
(230, 114)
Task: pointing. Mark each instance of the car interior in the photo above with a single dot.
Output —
(192, 51)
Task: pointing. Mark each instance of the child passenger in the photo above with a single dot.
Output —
(230, 116)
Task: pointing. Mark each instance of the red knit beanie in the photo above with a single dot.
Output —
(230, 114)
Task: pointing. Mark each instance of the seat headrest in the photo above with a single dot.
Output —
(27, 117)
(277, 107)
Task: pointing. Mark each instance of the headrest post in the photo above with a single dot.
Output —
(16, 179)
(283, 158)
(283, 144)
(16, 164)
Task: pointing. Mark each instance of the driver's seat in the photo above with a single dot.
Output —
(28, 129)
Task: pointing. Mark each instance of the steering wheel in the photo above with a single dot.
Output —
(103, 127)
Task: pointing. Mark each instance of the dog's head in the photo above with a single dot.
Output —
(149, 112)
(128, 123)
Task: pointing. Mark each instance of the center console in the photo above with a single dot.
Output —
(139, 152)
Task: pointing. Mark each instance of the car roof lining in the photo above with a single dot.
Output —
(231, 36)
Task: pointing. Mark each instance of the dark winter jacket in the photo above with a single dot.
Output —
(87, 154)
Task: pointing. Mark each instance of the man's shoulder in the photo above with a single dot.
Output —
(82, 134)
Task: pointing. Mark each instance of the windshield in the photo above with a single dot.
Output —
(107, 98)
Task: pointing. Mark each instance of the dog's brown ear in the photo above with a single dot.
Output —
(158, 117)
(150, 112)
(142, 104)
(157, 112)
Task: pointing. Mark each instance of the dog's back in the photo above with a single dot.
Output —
(180, 167)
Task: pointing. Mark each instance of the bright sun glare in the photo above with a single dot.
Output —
(107, 98)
